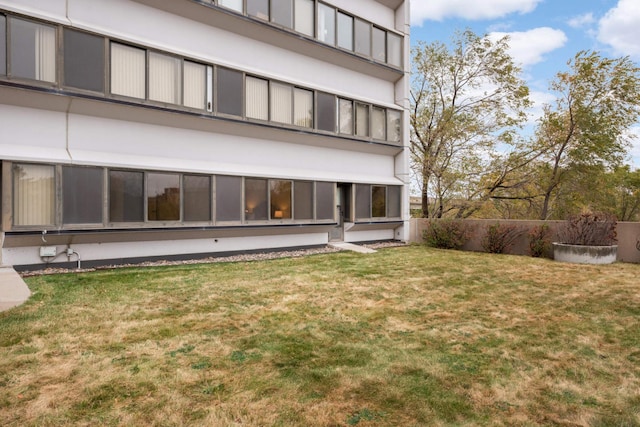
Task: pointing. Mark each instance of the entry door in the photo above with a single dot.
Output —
(342, 212)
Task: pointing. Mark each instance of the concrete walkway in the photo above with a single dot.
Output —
(352, 247)
(13, 290)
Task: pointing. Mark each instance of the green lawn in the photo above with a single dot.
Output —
(408, 336)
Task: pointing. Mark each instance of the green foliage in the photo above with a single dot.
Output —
(539, 244)
(447, 234)
(589, 228)
(500, 237)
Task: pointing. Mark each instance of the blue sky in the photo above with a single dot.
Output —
(544, 34)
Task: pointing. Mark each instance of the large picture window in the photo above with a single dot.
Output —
(325, 200)
(229, 91)
(83, 60)
(82, 195)
(128, 71)
(326, 112)
(33, 195)
(163, 197)
(255, 199)
(33, 50)
(126, 196)
(197, 197)
(303, 108)
(304, 16)
(228, 198)
(303, 200)
(165, 78)
(280, 199)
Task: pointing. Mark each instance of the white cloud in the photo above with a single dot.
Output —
(619, 28)
(437, 10)
(529, 47)
(581, 20)
(539, 100)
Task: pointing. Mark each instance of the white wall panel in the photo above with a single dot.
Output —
(47, 9)
(100, 141)
(374, 12)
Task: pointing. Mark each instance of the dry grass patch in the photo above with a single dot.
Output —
(406, 336)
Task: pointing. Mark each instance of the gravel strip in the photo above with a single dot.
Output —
(257, 256)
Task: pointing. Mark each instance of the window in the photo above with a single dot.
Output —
(304, 16)
(362, 119)
(228, 198)
(258, 8)
(195, 85)
(280, 198)
(393, 125)
(128, 71)
(282, 12)
(3, 45)
(379, 52)
(33, 50)
(394, 200)
(363, 37)
(280, 103)
(82, 195)
(126, 196)
(255, 199)
(326, 110)
(33, 195)
(303, 107)
(83, 60)
(326, 24)
(229, 91)
(346, 116)
(257, 95)
(197, 197)
(378, 201)
(303, 200)
(345, 31)
(163, 197)
(325, 204)
(378, 122)
(394, 49)
(232, 4)
(165, 78)
(363, 201)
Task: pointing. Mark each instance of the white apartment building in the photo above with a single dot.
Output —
(149, 129)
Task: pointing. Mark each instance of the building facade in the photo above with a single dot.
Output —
(141, 129)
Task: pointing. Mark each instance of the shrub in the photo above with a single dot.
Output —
(500, 237)
(539, 244)
(446, 234)
(589, 228)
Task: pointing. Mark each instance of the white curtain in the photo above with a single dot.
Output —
(232, 4)
(281, 100)
(195, 85)
(127, 71)
(378, 123)
(346, 116)
(45, 51)
(33, 195)
(165, 78)
(257, 98)
(304, 17)
(303, 107)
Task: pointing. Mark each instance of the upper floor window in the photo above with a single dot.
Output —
(165, 78)
(32, 48)
(363, 37)
(257, 95)
(394, 49)
(128, 71)
(3, 45)
(232, 4)
(326, 112)
(326, 24)
(282, 12)
(379, 45)
(345, 31)
(303, 107)
(258, 8)
(195, 85)
(304, 16)
(83, 60)
(229, 91)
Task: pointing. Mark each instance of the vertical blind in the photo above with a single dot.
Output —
(127, 71)
(195, 85)
(303, 107)
(165, 78)
(257, 98)
(281, 108)
(45, 53)
(34, 195)
(304, 18)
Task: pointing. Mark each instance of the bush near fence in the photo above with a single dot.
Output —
(628, 236)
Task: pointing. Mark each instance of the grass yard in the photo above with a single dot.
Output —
(408, 336)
